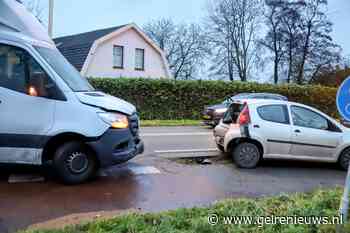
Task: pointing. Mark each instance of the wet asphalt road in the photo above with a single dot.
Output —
(177, 185)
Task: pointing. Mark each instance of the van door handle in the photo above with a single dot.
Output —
(297, 131)
(256, 126)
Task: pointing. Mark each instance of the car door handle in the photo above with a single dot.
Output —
(256, 126)
(297, 131)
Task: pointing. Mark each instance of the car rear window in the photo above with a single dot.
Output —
(274, 113)
(233, 112)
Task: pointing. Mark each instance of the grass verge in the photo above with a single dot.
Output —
(152, 123)
(319, 203)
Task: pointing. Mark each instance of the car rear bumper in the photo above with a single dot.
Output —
(117, 146)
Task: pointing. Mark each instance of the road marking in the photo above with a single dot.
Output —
(144, 170)
(175, 134)
(182, 154)
(25, 178)
(186, 151)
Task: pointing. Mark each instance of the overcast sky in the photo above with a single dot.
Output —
(77, 16)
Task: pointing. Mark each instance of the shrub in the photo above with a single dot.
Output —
(167, 99)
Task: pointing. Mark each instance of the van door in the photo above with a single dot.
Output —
(26, 109)
(313, 134)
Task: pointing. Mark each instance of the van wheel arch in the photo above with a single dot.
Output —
(55, 142)
(235, 142)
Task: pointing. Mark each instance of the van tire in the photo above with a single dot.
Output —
(74, 163)
(246, 155)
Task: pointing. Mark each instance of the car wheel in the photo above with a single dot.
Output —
(246, 155)
(220, 148)
(344, 159)
(74, 163)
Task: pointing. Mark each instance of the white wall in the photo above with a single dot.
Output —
(101, 64)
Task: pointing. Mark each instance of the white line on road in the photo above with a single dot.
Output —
(144, 170)
(174, 134)
(186, 151)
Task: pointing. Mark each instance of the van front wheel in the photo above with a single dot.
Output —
(74, 163)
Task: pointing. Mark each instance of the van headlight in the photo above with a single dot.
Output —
(116, 120)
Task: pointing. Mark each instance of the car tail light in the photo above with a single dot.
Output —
(244, 117)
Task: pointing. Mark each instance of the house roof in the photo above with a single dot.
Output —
(76, 47)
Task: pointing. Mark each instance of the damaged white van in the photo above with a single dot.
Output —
(49, 113)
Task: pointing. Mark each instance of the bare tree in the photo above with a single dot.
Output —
(274, 38)
(185, 46)
(290, 16)
(233, 26)
(299, 37)
(316, 41)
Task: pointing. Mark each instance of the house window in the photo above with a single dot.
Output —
(118, 57)
(140, 59)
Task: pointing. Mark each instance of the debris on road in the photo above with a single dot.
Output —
(205, 162)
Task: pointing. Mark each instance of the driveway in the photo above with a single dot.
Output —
(150, 183)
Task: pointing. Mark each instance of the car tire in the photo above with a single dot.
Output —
(74, 163)
(344, 159)
(246, 155)
(220, 148)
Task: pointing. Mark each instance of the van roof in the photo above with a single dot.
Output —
(18, 24)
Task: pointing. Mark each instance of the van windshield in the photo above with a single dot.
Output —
(65, 70)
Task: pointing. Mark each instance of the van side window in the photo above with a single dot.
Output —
(274, 113)
(21, 73)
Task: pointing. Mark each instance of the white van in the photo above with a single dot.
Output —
(49, 113)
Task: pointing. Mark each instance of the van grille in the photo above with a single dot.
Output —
(134, 124)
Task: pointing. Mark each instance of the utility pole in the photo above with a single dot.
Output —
(344, 205)
(51, 6)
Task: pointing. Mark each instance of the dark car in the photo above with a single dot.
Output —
(214, 113)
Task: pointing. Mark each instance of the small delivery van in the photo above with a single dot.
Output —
(49, 113)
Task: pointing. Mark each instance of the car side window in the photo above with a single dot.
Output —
(307, 118)
(21, 73)
(274, 113)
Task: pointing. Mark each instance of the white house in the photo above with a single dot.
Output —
(123, 51)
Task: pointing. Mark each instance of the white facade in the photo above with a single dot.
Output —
(101, 59)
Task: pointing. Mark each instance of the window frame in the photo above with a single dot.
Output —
(285, 110)
(331, 126)
(122, 57)
(143, 59)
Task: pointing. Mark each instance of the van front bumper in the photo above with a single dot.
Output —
(117, 146)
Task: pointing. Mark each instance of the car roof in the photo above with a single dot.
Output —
(259, 96)
(259, 101)
(272, 102)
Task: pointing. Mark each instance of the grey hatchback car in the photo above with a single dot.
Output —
(257, 129)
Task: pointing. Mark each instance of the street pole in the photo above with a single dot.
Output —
(51, 6)
(344, 206)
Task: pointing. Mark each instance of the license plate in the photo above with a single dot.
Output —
(206, 117)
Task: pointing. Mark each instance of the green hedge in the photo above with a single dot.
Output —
(167, 99)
